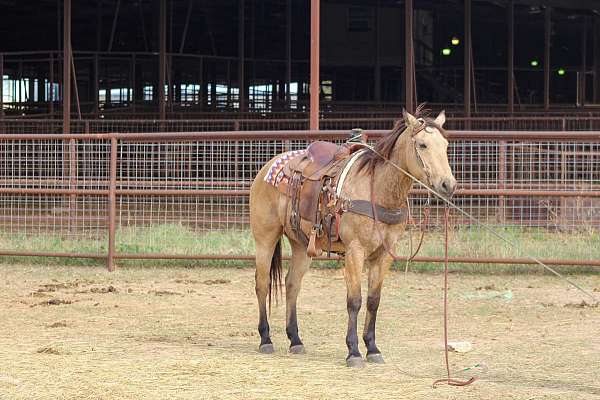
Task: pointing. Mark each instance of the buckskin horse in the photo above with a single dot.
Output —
(351, 202)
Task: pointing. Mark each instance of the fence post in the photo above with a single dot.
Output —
(501, 181)
(73, 175)
(112, 205)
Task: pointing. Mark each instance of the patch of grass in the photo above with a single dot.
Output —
(181, 240)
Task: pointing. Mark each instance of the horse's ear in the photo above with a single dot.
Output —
(409, 119)
(441, 119)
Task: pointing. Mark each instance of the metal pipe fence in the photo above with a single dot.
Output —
(27, 126)
(184, 195)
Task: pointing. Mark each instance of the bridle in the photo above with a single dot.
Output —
(418, 155)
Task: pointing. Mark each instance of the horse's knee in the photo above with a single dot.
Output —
(353, 304)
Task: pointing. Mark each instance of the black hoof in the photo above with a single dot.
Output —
(375, 358)
(297, 349)
(355, 362)
(267, 348)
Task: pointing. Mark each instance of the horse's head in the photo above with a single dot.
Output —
(426, 156)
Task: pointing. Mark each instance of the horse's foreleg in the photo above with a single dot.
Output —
(293, 281)
(354, 263)
(378, 267)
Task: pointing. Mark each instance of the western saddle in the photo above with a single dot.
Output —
(316, 204)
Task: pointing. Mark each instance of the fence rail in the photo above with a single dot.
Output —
(184, 195)
(558, 124)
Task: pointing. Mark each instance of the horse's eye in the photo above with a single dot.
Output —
(422, 146)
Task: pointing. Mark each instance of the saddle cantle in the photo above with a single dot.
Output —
(309, 179)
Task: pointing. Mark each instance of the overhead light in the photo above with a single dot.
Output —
(561, 71)
(455, 41)
(534, 63)
(446, 51)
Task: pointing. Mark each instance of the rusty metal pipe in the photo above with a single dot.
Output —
(67, 62)
(112, 206)
(315, 47)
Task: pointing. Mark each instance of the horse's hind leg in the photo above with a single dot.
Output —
(265, 253)
(293, 280)
(354, 263)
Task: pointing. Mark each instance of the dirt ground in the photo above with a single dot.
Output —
(166, 333)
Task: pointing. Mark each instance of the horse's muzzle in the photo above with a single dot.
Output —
(447, 187)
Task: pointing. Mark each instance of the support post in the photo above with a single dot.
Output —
(511, 57)
(467, 63)
(547, 31)
(51, 88)
(409, 57)
(377, 69)
(112, 206)
(582, 78)
(228, 80)
(186, 26)
(202, 96)
(1, 85)
(241, 55)
(96, 60)
(597, 60)
(288, 54)
(133, 82)
(67, 67)
(74, 74)
(314, 62)
(162, 59)
(114, 26)
(96, 78)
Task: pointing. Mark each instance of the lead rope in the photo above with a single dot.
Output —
(448, 380)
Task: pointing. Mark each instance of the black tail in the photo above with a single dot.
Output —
(275, 274)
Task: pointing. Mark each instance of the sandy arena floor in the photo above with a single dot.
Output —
(167, 333)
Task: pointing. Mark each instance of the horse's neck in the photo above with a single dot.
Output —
(390, 185)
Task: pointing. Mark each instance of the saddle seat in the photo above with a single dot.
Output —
(311, 189)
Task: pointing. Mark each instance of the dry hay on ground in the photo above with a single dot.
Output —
(191, 333)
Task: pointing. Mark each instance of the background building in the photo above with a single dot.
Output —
(250, 55)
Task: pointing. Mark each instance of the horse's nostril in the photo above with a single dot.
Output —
(445, 185)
